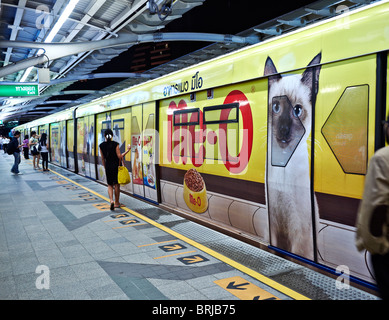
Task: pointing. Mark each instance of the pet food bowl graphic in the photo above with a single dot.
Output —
(195, 193)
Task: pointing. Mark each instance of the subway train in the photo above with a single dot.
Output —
(270, 143)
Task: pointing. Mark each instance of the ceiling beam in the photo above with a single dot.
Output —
(15, 28)
(58, 50)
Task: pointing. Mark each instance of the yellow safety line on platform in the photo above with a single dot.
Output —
(129, 225)
(285, 290)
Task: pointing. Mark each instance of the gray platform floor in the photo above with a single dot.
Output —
(60, 241)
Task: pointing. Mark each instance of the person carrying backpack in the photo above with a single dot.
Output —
(13, 147)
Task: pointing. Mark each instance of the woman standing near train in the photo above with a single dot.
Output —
(111, 158)
(44, 151)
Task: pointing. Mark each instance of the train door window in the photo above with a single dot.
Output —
(345, 129)
(222, 124)
(287, 130)
(70, 144)
(187, 117)
(104, 126)
(136, 155)
(118, 130)
(185, 123)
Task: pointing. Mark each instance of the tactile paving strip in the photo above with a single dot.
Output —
(292, 275)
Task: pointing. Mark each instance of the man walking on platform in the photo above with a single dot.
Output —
(14, 144)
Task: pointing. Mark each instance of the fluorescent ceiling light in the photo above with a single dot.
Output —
(26, 73)
(65, 14)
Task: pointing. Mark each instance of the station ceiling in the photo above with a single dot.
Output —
(28, 28)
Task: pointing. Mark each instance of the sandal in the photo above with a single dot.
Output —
(120, 205)
(112, 206)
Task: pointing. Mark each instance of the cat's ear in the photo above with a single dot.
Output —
(271, 71)
(312, 73)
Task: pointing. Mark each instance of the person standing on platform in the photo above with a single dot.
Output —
(44, 152)
(25, 147)
(111, 158)
(14, 144)
(373, 216)
(34, 149)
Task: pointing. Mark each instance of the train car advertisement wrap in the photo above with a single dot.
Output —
(210, 162)
(257, 137)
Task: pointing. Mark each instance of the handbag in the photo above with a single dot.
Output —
(34, 151)
(123, 175)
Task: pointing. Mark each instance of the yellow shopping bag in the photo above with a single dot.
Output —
(123, 175)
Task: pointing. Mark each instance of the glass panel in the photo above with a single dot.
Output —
(346, 129)
(136, 151)
(181, 117)
(288, 130)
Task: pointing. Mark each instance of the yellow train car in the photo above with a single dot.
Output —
(270, 143)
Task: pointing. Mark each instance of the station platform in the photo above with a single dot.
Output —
(60, 241)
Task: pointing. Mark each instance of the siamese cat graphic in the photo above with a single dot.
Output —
(288, 162)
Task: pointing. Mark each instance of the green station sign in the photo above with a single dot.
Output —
(22, 90)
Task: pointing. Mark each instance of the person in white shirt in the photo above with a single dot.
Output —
(44, 152)
(34, 149)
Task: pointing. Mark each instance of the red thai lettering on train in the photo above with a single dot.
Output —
(197, 138)
(170, 112)
(183, 139)
(239, 163)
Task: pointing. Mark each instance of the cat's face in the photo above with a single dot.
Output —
(290, 103)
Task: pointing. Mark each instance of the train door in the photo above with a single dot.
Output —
(85, 146)
(70, 144)
(62, 144)
(288, 170)
(143, 151)
(344, 141)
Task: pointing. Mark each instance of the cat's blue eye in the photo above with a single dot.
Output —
(276, 107)
(297, 110)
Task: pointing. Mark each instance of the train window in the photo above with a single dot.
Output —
(118, 124)
(346, 129)
(222, 123)
(185, 122)
(188, 117)
(226, 113)
(105, 125)
(286, 130)
(118, 130)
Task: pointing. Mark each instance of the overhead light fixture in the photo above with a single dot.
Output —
(26, 73)
(64, 16)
